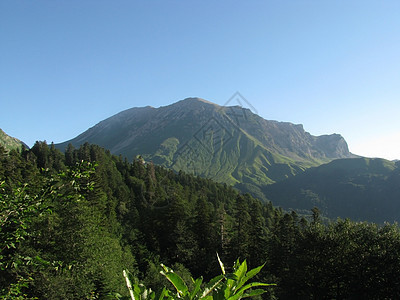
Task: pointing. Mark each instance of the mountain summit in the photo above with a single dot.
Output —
(227, 143)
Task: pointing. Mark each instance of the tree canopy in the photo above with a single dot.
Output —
(72, 222)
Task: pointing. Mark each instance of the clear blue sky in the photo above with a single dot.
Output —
(333, 66)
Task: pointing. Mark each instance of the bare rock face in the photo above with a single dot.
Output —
(333, 145)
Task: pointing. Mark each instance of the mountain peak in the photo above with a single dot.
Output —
(195, 100)
(230, 144)
(127, 132)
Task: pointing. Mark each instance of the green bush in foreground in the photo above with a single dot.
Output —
(230, 286)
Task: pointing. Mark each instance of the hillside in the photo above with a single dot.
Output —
(362, 189)
(71, 223)
(10, 143)
(227, 144)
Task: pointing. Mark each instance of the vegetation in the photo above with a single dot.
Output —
(72, 222)
(226, 286)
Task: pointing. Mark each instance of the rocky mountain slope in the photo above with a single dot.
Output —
(10, 143)
(228, 144)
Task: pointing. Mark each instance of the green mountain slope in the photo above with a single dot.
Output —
(227, 144)
(10, 143)
(361, 189)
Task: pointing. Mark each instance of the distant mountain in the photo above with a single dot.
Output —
(9, 142)
(228, 144)
(361, 189)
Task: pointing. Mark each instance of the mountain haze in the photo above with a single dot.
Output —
(229, 144)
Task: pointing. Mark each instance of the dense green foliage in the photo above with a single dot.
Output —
(362, 189)
(230, 286)
(71, 223)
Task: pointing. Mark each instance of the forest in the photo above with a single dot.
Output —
(71, 223)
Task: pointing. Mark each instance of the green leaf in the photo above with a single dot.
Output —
(246, 287)
(254, 293)
(164, 294)
(197, 285)
(167, 269)
(177, 281)
(241, 271)
(221, 264)
(250, 275)
(211, 286)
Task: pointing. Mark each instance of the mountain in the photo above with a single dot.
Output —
(226, 143)
(10, 143)
(362, 189)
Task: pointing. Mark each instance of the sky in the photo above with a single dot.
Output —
(333, 66)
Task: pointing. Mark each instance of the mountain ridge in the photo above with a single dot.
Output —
(233, 112)
(229, 144)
